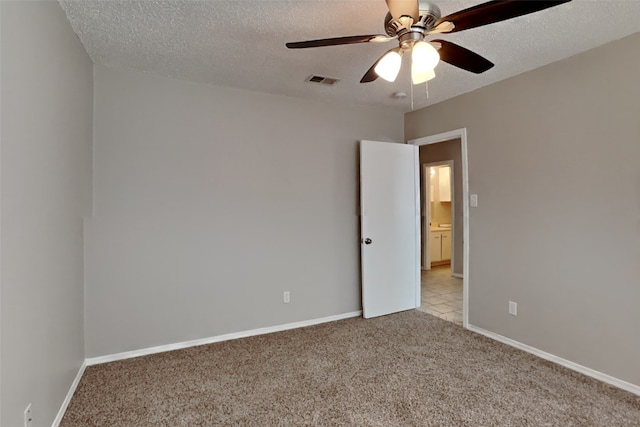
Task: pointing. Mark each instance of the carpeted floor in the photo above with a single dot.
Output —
(406, 369)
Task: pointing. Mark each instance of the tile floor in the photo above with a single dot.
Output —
(442, 294)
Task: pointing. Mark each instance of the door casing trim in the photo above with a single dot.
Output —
(460, 134)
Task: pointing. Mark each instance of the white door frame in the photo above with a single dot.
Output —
(442, 137)
(426, 207)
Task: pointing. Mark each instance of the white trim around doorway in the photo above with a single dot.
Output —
(442, 137)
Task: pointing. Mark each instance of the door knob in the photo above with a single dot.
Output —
(367, 241)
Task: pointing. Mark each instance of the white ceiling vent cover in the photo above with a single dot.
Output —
(327, 81)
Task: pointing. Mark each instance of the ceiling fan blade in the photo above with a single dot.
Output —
(463, 58)
(399, 8)
(336, 41)
(443, 27)
(494, 11)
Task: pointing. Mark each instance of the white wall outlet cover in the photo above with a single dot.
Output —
(474, 200)
(286, 297)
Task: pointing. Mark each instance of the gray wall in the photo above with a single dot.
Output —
(210, 202)
(46, 189)
(554, 156)
(442, 151)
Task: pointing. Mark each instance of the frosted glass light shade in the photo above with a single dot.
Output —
(419, 76)
(389, 66)
(424, 56)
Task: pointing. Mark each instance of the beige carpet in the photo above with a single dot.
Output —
(407, 369)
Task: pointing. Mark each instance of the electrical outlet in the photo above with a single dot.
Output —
(513, 308)
(286, 297)
(28, 416)
(474, 200)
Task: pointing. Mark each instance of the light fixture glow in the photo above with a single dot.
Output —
(389, 66)
(424, 58)
(424, 55)
(418, 76)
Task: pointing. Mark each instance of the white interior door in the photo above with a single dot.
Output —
(390, 227)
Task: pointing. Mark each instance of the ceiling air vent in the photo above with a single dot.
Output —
(328, 81)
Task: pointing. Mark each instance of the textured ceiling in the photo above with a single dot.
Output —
(241, 43)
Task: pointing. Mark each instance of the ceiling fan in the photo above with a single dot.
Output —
(410, 22)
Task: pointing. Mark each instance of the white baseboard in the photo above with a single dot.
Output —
(177, 346)
(67, 399)
(635, 389)
(459, 276)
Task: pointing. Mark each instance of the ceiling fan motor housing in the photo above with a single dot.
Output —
(429, 14)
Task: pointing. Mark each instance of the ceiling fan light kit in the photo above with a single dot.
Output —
(388, 67)
(410, 22)
(419, 76)
(424, 58)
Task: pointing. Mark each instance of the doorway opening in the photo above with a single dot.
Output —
(444, 225)
(437, 213)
